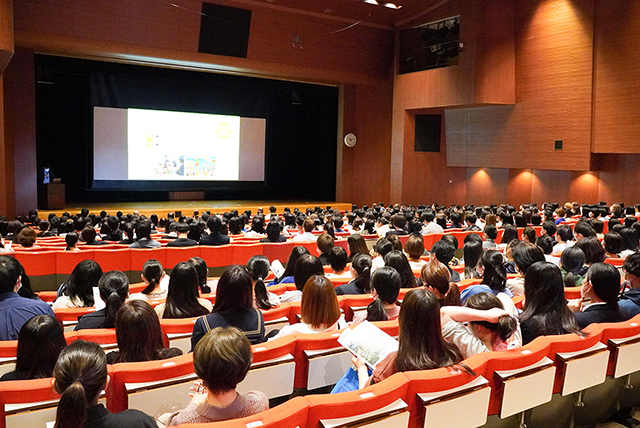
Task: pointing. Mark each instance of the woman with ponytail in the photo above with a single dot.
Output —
(258, 267)
(572, 267)
(114, 289)
(489, 326)
(436, 277)
(385, 287)
(152, 274)
(203, 271)
(79, 376)
(361, 273)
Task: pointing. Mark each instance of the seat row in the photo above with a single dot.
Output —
(557, 381)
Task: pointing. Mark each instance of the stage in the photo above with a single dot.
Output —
(161, 208)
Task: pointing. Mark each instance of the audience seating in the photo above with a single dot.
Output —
(276, 318)
(155, 387)
(175, 255)
(290, 414)
(381, 405)
(27, 403)
(113, 259)
(278, 251)
(69, 316)
(272, 360)
(179, 331)
(320, 360)
(66, 261)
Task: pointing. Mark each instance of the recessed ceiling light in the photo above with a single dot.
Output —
(327, 10)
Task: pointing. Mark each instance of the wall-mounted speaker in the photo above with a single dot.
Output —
(427, 136)
(224, 30)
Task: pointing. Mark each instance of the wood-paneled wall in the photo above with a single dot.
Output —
(617, 77)
(6, 32)
(153, 31)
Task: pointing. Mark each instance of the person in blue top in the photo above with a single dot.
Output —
(15, 311)
(629, 303)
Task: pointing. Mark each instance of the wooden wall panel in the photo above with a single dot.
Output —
(617, 77)
(584, 187)
(7, 204)
(487, 185)
(495, 74)
(550, 186)
(618, 178)
(366, 167)
(6, 32)
(156, 29)
(20, 129)
(553, 81)
(520, 187)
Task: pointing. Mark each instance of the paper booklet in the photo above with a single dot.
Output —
(369, 342)
(277, 269)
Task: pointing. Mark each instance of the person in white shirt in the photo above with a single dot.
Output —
(319, 309)
(306, 236)
(430, 225)
(564, 237)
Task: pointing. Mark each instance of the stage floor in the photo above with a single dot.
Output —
(186, 207)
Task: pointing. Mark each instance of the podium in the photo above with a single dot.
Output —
(51, 196)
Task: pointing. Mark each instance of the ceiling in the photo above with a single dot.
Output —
(357, 10)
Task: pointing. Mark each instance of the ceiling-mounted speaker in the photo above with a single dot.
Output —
(224, 30)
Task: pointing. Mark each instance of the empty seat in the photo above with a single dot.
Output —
(320, 360)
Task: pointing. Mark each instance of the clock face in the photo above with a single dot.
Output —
(350, 140)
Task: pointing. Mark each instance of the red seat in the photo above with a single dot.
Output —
(66, 261)
(139, 257)
(217, 256)
(117, 259)
(278, 251)
(40, 266)
(615, 261)
(353, 301)
(442, 379)
(242, 253)
(148, 371)
(27, 391)
(431, 239)
(290, 414)
(177, 255)
(313, 342)
(359, 402)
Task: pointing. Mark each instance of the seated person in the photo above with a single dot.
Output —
(77, 291)
(40, 342)
(337, 259)
(139, 335)
(233, 308)
(143, 235)
(274, 233)
(89, 236)
(182, 295)
(306, 236)
(306, 266)
(385, 287)
(80, 375)
(397, 260)
(182, 241)
(601, 287)
(152, 275)
(630, 301)
(114, 289)
(115, 234)
(524, 255)
(26, 238)
(325, 243)
(221, 359)
(287, 275)
(421, 344)
(572, 267)
(490, 234)
(486, 330)
(444, 252)
(71, 239)
(215, 237)
(127, 230)
(15, 311)
(319, 311)
(414, 249)
(361, 274)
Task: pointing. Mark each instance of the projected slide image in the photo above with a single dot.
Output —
(165, 145)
